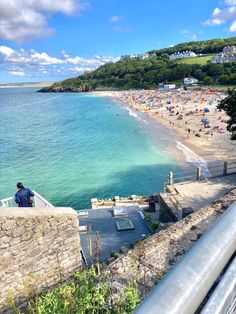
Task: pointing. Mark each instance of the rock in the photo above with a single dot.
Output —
(187, 211)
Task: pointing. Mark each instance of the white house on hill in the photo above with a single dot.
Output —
(181, 55)
(190, 81)
(227, 55)
(143, 56)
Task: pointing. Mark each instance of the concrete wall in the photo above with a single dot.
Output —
(38, 248)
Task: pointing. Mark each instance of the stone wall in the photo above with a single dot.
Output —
(38, 248)
(152, 258)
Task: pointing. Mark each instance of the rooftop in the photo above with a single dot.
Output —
(103, 221)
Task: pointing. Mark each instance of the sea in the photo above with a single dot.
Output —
(73, 147)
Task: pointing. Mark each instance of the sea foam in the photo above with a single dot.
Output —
(193, 158)
(134, 115)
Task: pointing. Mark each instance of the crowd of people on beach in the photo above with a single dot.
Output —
(193, 112)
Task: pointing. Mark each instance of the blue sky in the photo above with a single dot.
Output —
(43, 40)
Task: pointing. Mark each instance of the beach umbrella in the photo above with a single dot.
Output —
(212, 91)
(205, 121)
(206, 110)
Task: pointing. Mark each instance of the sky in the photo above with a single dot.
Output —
(50, 40)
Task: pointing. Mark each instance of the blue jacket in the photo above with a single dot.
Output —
(22, 197)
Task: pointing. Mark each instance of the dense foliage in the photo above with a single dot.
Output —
(205, 46)
(148, 73)
(86, 293)
(229, 106)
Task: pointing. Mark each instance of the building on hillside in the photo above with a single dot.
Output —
(190, 81)
(227, 55)
(229, 49)
(166, 87)
(125, 57)
(181, 55)
(143, 56)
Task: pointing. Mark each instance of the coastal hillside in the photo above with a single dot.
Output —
(204, 46)
(147, 73)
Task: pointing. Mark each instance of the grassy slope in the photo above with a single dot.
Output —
(197, 60)
(217, 87)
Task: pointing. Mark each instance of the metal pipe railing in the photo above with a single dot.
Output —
(212, 172)
(187, 284)
(224, 294)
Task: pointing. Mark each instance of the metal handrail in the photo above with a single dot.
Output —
(47, 203)
(215, 166)
(232, 163)
(214, 171)
(187, 284)
(190, 171)
(176, 201)
(224, 294)
(184, 177)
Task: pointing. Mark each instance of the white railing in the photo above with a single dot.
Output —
(39, 201)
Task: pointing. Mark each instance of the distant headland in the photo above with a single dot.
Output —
(209, 62)
(25, 84)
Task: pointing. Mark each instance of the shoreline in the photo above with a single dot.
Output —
(205, 150)
(19, 85)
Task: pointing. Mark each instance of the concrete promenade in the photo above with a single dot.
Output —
(201, 193)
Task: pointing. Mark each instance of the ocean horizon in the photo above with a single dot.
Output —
(74, 147)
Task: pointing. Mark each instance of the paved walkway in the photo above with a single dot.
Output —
(199, 194)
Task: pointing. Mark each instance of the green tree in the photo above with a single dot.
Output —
(199, 74)
(165, 57)
(229, 106)
(215, 69)
(208, 80)
(224, 79)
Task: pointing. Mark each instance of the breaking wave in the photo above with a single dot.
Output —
(134, 114)
(193, 158)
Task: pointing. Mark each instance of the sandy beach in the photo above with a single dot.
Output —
(192, 115)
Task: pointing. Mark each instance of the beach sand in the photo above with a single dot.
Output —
(183, 112)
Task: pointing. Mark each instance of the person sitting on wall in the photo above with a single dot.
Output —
(23, 196)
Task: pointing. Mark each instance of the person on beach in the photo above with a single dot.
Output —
(23, 196)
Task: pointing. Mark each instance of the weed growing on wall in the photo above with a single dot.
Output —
(86, 293)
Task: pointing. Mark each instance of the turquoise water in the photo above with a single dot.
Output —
(72, 147)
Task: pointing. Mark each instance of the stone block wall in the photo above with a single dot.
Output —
(38, 248)
(152, 258)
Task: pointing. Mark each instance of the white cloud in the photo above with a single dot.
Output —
(232, 28)
(115, 18)
(224, 15)
(122, 29)
(17, 73)
(27, 57)
(80, 69)
(185, 31)
(65, 54)
(230, 2)
(23, 20)
(32, 63)
(189, 34)
(6, 51)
